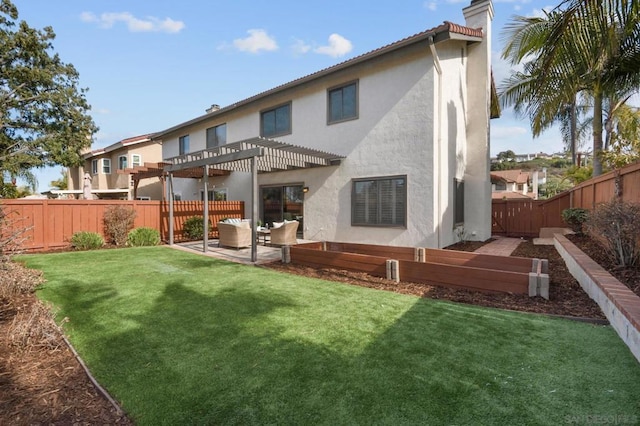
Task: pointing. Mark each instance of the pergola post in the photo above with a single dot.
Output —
(254, 208)
(171, 209)
(205, 227)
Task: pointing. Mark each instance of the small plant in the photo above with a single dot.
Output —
(85, 240)
(143, 237)
(617, 223)
(575, 218)
(194, 227)
(462, 234)
(118, 221)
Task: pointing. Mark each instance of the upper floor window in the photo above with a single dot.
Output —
(276, 121)
(379, 201)
(343, 103)
(217, 135)
(136, 160)
(106, 166)
(122, 162)
(183, 144)
(94, 167)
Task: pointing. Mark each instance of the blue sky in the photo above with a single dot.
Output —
(152, 64)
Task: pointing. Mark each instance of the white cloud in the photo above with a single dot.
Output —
(338, 46)
(300, 47)
(257, 41)
(148, 24)
(431, 5)
(101, 111)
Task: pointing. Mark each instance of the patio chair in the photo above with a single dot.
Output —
(234, 235)
(285, 234)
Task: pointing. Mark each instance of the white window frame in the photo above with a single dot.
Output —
(94, 167)
(135, 163)
(212, 136)
(106, 166)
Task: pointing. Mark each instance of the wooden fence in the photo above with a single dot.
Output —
(471, 271)
(51, 223)
(524, 218)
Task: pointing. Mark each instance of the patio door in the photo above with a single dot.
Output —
(282, 202)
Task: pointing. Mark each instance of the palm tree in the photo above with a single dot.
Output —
(582, 46)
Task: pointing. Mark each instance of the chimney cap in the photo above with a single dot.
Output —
(212, 108)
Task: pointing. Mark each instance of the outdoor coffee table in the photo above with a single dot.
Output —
(265, 234)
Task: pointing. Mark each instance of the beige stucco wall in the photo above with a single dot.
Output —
(150, 152)
(410, 123)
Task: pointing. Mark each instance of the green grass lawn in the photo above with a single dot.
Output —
(180, 338)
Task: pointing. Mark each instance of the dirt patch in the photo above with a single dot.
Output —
(566, 297)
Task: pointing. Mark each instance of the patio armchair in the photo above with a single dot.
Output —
(285, 234)
(234, 235)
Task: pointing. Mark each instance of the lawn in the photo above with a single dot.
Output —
(180, 338)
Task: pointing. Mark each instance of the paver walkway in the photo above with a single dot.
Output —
(502, 246)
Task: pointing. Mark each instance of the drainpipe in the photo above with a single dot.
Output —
(438, 68)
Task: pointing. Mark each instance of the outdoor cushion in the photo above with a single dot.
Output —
(277, 224)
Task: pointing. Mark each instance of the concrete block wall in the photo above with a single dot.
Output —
(620, 305)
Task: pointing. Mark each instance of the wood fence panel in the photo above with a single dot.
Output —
(389, 252)
(51, 223)
(372, 265)
(477, 260)
(479, 279)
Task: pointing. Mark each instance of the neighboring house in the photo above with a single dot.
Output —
(409, 120)
(109, 170)
(510, 184)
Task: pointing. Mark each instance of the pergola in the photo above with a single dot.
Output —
(255, 155)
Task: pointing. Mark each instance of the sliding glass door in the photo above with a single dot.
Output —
(282, 202)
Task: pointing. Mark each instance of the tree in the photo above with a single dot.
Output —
(507, 155)
(625, 138)
(582, 46)
(44, 117)
(62, 182)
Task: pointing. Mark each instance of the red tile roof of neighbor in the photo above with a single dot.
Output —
(509, 195)
(517, 176)
(124, 142)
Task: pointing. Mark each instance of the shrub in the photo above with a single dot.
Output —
(194, 227)
(85, 240)
(143, 237)
(575, 218)
(12, 234)
(617, 224)
(118, 221)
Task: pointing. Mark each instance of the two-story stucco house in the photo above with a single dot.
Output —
(408, 121)
(109, 169)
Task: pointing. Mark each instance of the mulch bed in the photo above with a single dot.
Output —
(44, 384)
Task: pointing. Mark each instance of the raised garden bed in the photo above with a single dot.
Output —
(448, 268)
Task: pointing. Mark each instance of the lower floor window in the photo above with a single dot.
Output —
(379, 201)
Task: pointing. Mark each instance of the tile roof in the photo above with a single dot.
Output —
(447, 30)
(517, 175)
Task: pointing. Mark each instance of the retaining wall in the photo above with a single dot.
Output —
(620, 305)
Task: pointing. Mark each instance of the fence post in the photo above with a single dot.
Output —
(393, 271)
(286, 254)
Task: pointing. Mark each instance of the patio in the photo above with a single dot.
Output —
(266, 254)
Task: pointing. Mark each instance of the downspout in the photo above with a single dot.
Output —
(438, 68)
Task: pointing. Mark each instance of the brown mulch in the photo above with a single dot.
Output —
(43, 383)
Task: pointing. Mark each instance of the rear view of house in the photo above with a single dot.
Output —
(404, 130)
